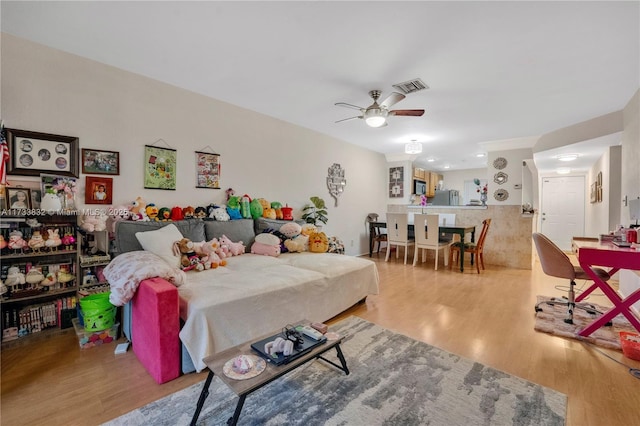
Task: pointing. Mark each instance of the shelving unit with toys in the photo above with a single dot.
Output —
(39, 271)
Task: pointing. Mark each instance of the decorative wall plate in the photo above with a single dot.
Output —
(500, 178)
(500, 163)
(501, 194)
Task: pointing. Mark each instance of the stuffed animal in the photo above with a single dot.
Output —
(200, 212)
(189, 260)
(207, 250)
(3, 242)
(291, 230)
(230, 192)
(287, 213)
(164, 214)
(16, 242)
(138, 209)
(210, 209)
(14, 277)
(236, 249)
(318, 242)
(176, 213)
(188, 212)
(233, 207)
(221, 214)
(93, 221)
(269, 213)
(256, 208)
(277, 206)
(294, 246)
(266, 244)
(117, 214)
(335, 246)
(68, 240)
(53, 239)
(245, 206)
(36, 242)
(308, 229)
(152, 211)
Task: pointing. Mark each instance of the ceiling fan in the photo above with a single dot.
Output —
(375, 115)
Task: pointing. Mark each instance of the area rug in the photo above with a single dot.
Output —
(394, 380)
(551, 320)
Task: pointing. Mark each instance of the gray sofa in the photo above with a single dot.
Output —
(249, 297)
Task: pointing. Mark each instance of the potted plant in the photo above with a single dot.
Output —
(316, 212)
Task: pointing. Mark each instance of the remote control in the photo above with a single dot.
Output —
(310, 332)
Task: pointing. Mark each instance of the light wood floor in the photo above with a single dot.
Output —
(487, 318)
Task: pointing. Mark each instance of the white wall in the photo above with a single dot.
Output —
(602, 217)
(514, 158)
(46, 90)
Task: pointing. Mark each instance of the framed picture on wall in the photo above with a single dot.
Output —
(32, 153)
(34, 188)
(160, 167)
(207, 170)
(18, 198)
(396, 182)
(593, 195)
(98, 162)
(98, 190)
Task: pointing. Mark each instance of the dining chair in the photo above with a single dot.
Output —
(556, 263)
(398, 234)
(429, 239)
(377, 236)
(475, 249)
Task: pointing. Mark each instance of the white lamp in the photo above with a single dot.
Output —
(413, 147)
(375, 117)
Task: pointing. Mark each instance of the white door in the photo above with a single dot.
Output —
(562, 209)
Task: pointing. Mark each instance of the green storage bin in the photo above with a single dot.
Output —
(98, 312)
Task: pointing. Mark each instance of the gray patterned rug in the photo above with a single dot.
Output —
(394, 380)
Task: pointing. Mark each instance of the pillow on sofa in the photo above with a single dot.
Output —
(160, 242)
(125, 272)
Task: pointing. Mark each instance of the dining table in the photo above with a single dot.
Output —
(461, 230)
(591, 254)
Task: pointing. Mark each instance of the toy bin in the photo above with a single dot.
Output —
(89, 339)
(630, 343)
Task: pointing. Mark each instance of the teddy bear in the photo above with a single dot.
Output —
(117, 214)
(266, 244)
(185, 248)
(236, 249)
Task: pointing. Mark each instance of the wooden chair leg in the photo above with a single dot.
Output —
(386, 258)
(415, 256)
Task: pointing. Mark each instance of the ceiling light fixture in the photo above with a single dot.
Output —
(567, 157)
(563, 170)
(431, 160)
(480, 155)
(413, 147)
(447, 166)
(375, 117)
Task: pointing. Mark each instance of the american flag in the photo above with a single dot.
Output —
(4, 156)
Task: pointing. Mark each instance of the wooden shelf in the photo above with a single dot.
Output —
(37, 254)
(41, 295)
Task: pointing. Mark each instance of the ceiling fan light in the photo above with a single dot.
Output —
(413, 148)
(375, 121)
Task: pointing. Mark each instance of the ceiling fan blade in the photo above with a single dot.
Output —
(392, 99)
(407, 112)
(344, 104)
(347, 119)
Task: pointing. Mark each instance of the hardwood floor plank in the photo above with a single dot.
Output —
(488, 318)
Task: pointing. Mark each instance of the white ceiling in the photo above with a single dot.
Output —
(496, 70)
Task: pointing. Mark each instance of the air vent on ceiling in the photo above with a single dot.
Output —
(411, 86)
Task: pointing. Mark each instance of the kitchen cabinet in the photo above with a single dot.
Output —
(419, 173)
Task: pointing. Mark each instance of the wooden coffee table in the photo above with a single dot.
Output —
(242, 388)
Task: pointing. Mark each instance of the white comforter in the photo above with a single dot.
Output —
(254, 295)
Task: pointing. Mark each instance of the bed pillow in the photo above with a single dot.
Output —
(160, 242)
(125, 272)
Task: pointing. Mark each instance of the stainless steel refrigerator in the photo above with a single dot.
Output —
(450, 197)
